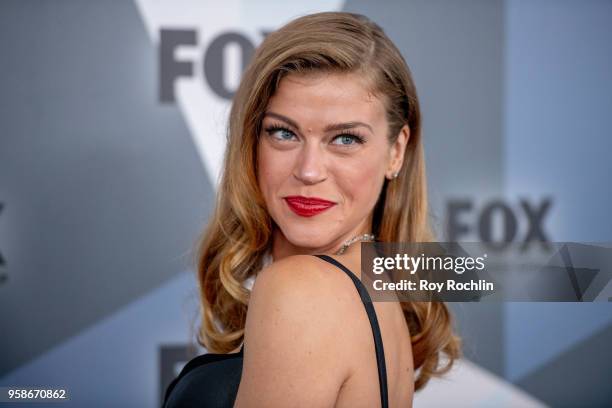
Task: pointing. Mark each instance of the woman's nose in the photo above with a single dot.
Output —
(310, 167)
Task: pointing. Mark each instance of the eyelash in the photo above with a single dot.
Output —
(348, 132)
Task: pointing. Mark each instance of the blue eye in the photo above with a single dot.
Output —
(285, 134)
(345, 139)
(348, 139)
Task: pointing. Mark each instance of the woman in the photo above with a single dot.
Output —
(324, 152)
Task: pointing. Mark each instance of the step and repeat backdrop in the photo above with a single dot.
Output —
(112, 120)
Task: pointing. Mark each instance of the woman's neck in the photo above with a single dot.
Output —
(282, 247)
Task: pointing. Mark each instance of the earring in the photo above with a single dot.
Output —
(393, 176)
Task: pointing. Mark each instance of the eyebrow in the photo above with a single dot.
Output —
(328, 128)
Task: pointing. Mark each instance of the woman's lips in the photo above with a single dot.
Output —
(308, 206)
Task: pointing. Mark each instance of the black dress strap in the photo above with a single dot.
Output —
(378, 344)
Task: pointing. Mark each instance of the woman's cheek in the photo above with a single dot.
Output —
(365, 184)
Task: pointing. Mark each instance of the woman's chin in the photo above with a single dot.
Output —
(310, 241)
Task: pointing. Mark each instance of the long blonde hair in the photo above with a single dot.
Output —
(238, 234)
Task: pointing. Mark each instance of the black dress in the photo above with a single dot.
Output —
(211, 380)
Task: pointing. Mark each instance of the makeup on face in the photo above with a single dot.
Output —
(308, 206)
(322, 155)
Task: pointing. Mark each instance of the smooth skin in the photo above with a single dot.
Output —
(308, 340)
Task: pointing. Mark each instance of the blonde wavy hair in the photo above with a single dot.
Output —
(232, 247)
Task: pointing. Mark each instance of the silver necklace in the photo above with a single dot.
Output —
(364, 237)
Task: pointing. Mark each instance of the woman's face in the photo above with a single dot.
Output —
(323, 156)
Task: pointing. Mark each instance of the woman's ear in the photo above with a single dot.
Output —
(398, 148)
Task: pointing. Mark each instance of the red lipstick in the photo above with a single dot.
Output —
(308, 206)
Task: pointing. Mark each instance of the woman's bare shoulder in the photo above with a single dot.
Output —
(301, 283)
(301, 272)
(298, 330)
